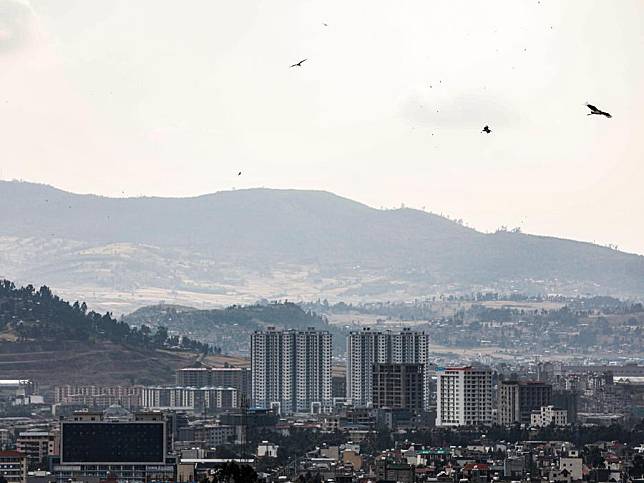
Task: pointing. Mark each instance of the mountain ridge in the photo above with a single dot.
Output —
(329, 194)
(298, 244)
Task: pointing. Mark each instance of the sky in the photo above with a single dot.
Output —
(174, 98)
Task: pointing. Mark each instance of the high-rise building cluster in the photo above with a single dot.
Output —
(187, 431)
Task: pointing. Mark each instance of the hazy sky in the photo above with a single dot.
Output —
(175, 97)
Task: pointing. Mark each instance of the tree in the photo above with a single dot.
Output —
(161, 336)
(637, 470)
(593, 457)
(231, 472)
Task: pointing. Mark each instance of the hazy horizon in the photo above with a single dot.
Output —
(174, 99)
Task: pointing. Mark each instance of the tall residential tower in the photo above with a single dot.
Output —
(291, 370)
(463, 396)
(367, 347)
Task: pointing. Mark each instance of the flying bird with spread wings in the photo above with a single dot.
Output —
(298, 64)
(487, 130)
(599, 112)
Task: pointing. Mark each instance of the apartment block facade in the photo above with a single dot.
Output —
(517, 400)
(398, 386)
(548, 415)
(13, 466)
(463, 396)
(237, 377)
(190, 398)
(291, 370)
(368, 347)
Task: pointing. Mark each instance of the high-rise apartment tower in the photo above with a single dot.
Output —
(291, 370)
(368, 347)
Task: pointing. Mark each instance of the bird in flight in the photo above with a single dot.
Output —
(299, 64)
(599, 112)
(487, 129)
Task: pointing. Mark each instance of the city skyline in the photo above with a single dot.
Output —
(318, 241)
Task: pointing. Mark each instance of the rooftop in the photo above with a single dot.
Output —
(11, 454)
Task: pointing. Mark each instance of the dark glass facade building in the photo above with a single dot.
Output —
(113, 442)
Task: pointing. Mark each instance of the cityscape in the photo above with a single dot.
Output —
(321, 241)
(289, 414)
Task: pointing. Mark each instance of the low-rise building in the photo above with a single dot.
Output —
(386, 469)
(36, 446)
(237, 377)
(98, 397)
(13, 466)
(574, 466)
(548, 415)
(190, 398)
(267, 450)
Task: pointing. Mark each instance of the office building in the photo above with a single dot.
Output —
(548, 415)
(133, 449)
(463, 396)
(291, 370)
(398, 386)
(517, 400)
(367, 347)
(237, 377)
(13, 466)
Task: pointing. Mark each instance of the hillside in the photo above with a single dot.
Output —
(229, 328)
(47, 339)
(89, 363)
(237, 246)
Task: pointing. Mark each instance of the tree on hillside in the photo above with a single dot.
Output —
(42, 315)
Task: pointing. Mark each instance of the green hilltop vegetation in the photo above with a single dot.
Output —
(229, 328)
(27, 314)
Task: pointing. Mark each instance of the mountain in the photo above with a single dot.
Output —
(237, 246)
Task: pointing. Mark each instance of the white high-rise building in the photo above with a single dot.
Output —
(291, 370)
(463, 396)
(366, 347)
